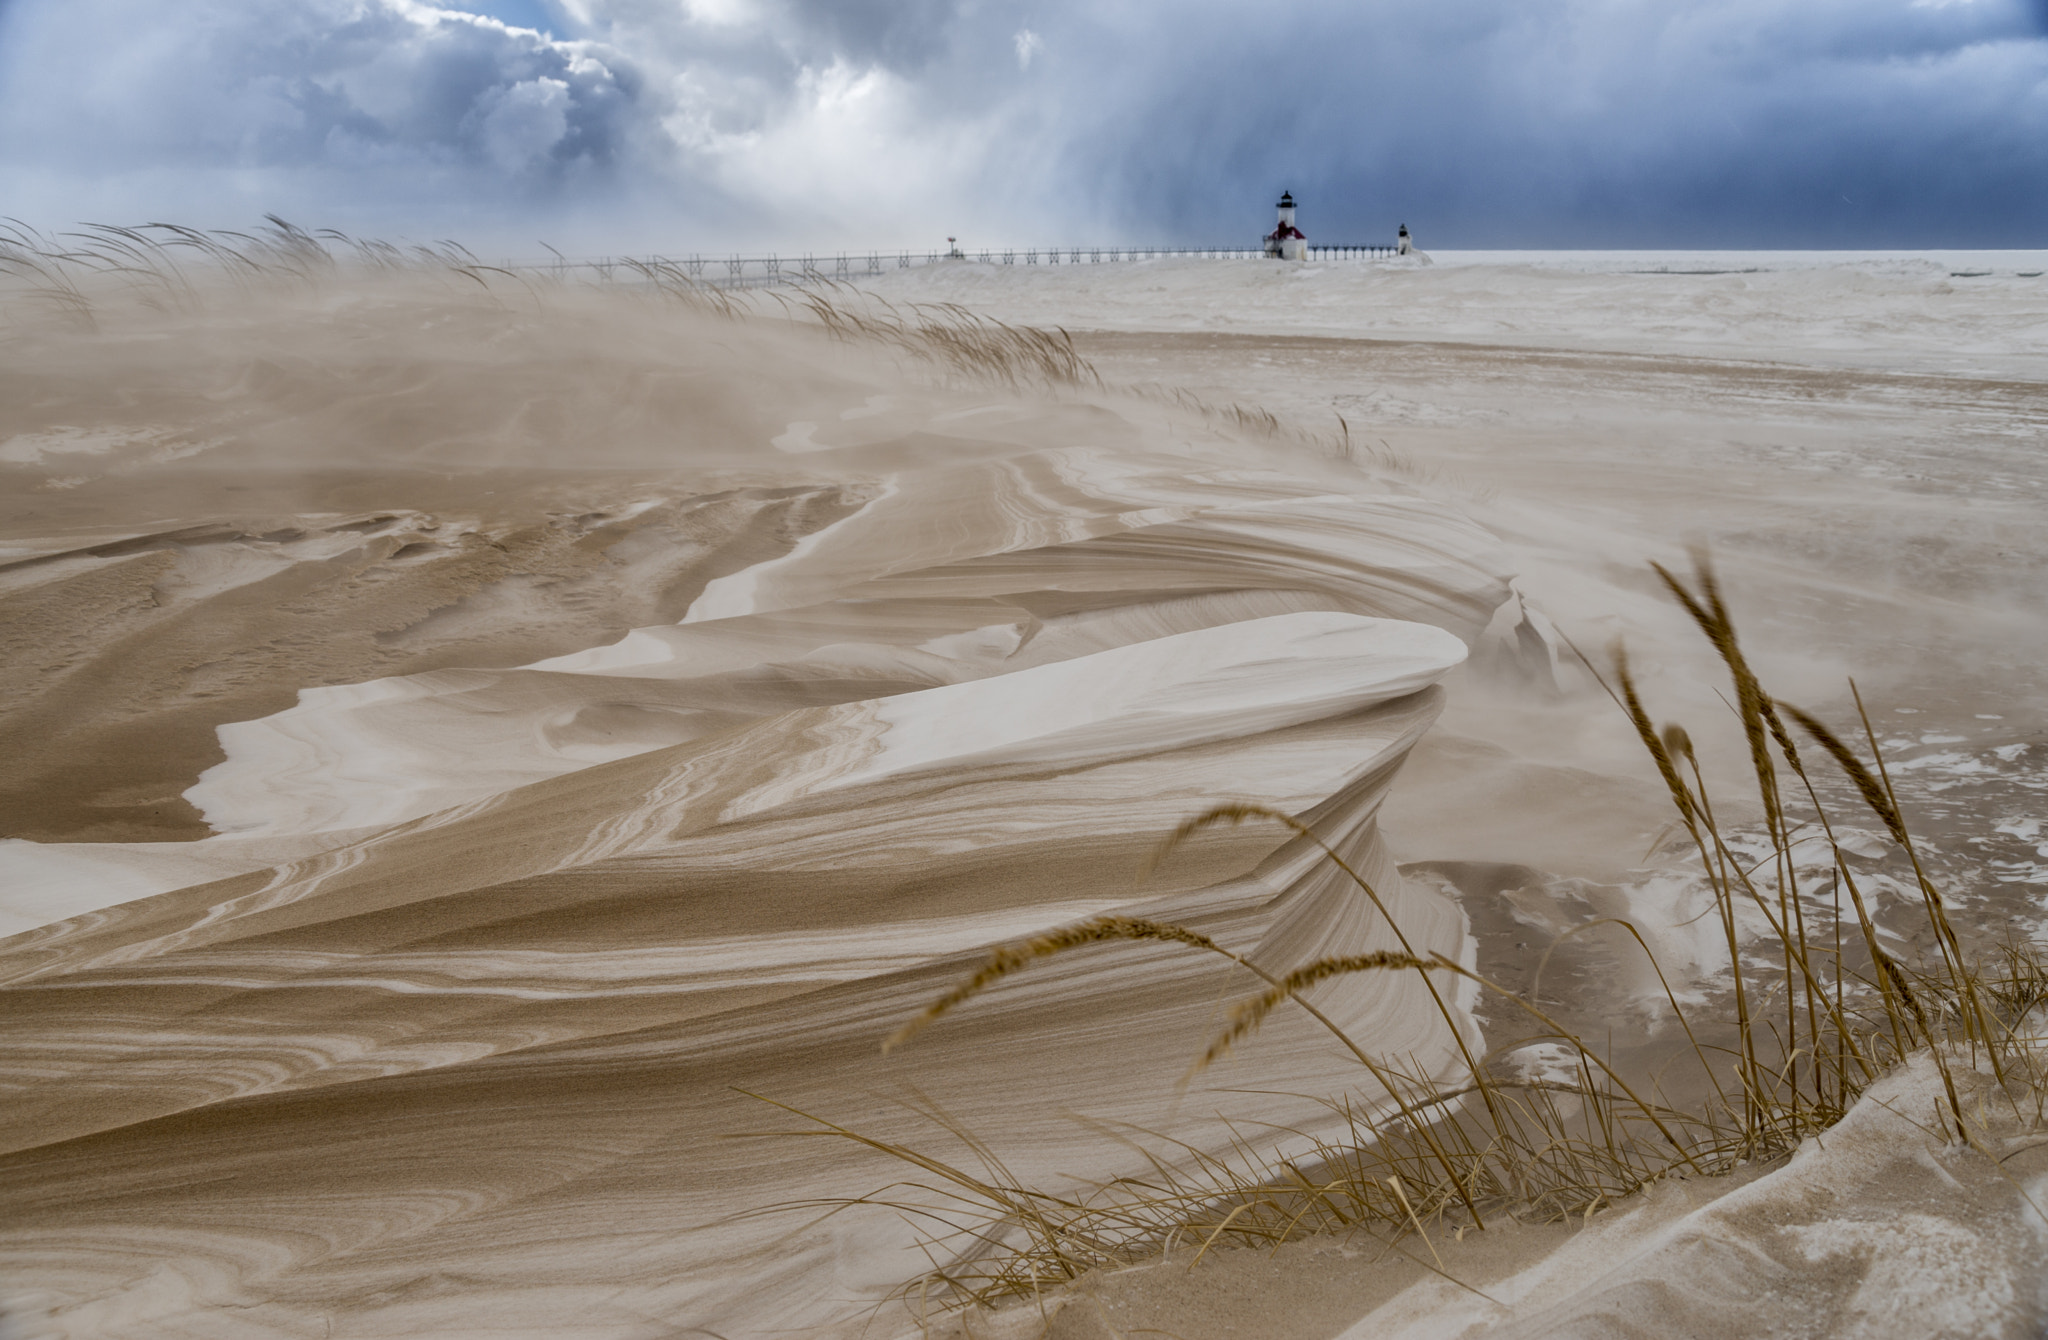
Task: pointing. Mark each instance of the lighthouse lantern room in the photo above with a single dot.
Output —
(1287, 242)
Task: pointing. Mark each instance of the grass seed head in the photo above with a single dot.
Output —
(1249, 1014)
(1009, 959)
(1866, 783)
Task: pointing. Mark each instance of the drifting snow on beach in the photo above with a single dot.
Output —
(470, 741)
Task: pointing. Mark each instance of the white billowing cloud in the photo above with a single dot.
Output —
(375, 110)
(523, 122)
(849, 158)
(721, 13)
(792, 123)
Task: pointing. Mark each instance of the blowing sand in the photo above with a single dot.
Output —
(461, 747)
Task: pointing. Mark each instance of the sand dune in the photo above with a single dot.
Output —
(446, 1029)
(458, 749)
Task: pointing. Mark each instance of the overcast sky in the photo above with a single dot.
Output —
(717, 124)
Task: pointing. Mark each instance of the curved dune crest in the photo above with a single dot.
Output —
(1168, 693)
(392, 750)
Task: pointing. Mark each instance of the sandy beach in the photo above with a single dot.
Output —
(484, 766)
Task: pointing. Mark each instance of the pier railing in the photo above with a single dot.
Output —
(736, 271)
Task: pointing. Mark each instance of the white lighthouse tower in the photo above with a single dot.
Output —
(1287, 242)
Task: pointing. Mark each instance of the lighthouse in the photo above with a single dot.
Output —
(1287, 242)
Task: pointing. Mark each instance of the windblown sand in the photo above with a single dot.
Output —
(464, 752)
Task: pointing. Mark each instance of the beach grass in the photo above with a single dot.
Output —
(83, 275)
(1791, 1051)
(85, 280)
(1406, 1152)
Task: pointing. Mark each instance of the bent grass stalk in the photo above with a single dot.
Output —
(1528, 1148)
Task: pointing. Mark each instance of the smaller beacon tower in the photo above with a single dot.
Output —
(1287, 242)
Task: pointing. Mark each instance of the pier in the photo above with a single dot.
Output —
(736, 271)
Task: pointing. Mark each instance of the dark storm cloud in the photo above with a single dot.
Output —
(1552, 123)
(1488, 122)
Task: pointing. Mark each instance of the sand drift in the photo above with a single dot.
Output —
(446, 1030)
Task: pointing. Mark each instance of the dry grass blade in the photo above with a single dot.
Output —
(1661, 748)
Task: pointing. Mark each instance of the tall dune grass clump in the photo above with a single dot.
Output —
(1799, 1044)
